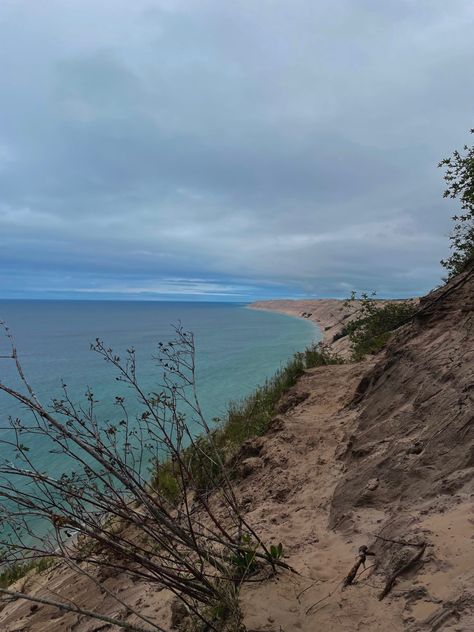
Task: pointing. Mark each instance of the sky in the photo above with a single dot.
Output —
(210, 150)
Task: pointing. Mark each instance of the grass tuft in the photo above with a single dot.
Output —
(20, 569)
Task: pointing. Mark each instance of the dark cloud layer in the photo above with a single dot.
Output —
(228, 150)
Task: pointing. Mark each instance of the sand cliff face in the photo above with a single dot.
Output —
(376, 454)
(415, 407)
(394, 460)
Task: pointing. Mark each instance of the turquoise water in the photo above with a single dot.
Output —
(237, 349)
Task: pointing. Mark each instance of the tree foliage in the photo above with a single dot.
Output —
(459, 177)
(374, 323)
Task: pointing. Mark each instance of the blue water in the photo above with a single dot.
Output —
(237, 349)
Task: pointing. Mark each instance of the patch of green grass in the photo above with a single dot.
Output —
(20, 569)
(252, 415)
(320, 355)
(164, 479)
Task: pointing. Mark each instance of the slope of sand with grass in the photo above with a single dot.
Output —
(380, 454)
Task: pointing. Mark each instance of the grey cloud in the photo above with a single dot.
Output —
(266, 144)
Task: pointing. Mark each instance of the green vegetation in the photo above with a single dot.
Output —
(459, 177)
(320, 355)
(374, 324)
(165, 479)
(17, 571)
(247, 418)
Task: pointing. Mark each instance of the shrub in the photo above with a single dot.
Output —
(320, 355)
(374, 324)
(459, 177)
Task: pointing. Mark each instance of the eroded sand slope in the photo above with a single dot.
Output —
(380, 448)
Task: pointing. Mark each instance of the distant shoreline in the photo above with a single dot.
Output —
(256, 306)
(328, 314)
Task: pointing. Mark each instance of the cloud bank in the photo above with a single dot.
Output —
(228, 151)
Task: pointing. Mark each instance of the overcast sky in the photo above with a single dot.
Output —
(228, 150)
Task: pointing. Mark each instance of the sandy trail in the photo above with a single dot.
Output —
(292, 498)
(291, 501)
